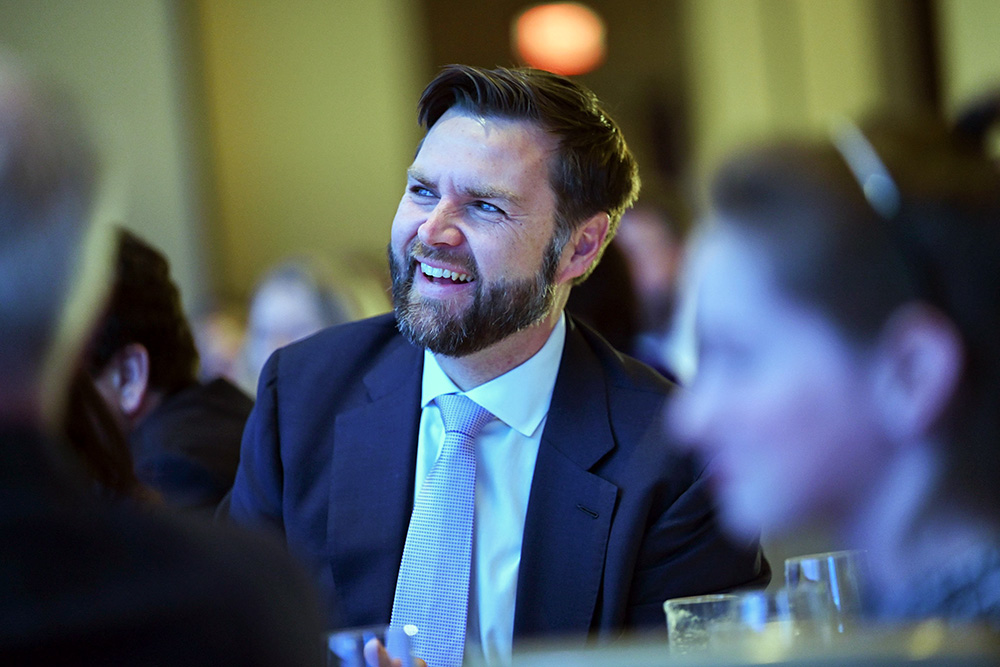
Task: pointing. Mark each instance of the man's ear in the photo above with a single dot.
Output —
(130, 378)
(920, 366)
(583, 247)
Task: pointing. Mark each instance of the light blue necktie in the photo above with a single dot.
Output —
(432, 591)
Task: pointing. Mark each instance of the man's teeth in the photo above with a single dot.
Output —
(435, 272)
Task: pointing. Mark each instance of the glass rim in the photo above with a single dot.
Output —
(700, 599)
(826, 555)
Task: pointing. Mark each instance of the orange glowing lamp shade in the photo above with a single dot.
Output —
(565, 38)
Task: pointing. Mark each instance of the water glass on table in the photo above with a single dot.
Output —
(691, 621)
(769, 625)
(842, 574)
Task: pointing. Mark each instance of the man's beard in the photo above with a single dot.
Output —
(498, 310)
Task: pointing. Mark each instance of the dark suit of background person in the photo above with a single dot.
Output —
(86, 581)
(188, 447)
(184, 434)
(617, 523)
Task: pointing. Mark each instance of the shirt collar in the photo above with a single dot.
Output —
(520, 397)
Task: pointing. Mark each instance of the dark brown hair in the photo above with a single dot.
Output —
(594, 170)
(146, 308)
(99, 443)
(940, 245)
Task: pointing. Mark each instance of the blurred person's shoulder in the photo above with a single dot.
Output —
(218, 396)
(90, 582)
(257, 597)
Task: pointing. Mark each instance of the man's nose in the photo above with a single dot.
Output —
(441, 226)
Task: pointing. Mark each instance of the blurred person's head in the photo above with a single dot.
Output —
(651, 238)
(218, 335)
(295, 299)
(606, 301)
(845, 332)
(47, 175)
(96, 437)
(144, 350)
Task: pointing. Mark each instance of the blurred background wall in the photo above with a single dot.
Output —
(236, 133)
(309, 110)
(125, 61)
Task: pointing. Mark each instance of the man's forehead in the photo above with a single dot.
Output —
(483, 117)
(484, 156)
(488, 122)
(508, 137)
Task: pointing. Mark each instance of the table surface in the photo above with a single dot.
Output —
(930, 644)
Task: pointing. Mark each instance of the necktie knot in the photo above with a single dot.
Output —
(461, 414)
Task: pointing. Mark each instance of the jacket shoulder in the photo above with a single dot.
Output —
(344, 345)
(372, 331)
(621, 370)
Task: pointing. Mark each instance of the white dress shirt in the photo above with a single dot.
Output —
(506, 450)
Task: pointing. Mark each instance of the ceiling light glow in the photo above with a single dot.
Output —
(565, 38)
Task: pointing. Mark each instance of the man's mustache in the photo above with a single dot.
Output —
(464, 261)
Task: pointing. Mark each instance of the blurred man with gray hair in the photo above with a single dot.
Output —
(83, 580)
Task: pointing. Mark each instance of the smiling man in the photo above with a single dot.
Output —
(559, 511)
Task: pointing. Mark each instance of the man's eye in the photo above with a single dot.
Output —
(420, 191)
(487, 207)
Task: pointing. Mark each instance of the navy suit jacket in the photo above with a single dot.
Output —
(617, 521)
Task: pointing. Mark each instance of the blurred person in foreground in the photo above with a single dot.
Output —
(82, 580)
(849, 371)
(184, 434)
(576, 519)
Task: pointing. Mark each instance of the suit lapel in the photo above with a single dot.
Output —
(371, 490)
(570, 509)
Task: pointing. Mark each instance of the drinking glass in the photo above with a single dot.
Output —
(346, 648)
(842, 574)
(692, 620)
(768, 624)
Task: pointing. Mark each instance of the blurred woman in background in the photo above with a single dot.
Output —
(293, 300)
(301, 296)
(97, 439)
(849, 356)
